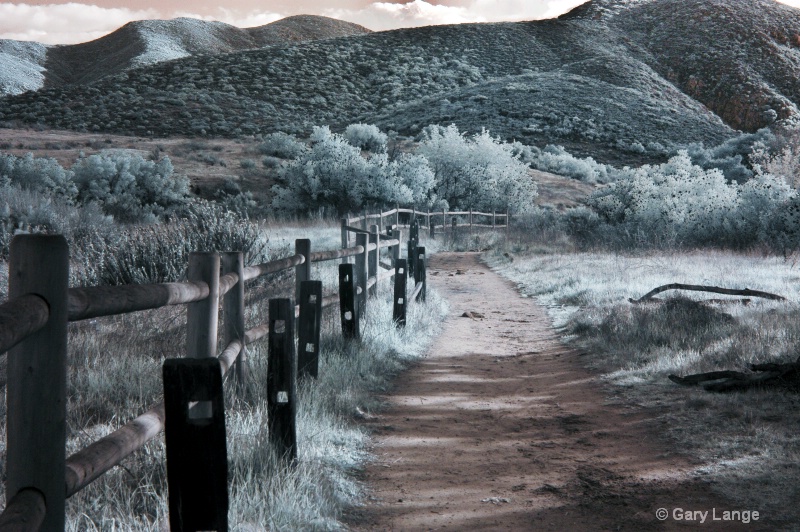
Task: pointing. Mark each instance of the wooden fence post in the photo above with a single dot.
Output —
(345, 237)
(494, 219)
(400, 303)
(396, 247)
(308, 328)
(36, 377)
(197, 464)
(281, 377)
(397, 214)
(374, 238)
(420, 273)
(364, 219)
(202, 317)
(361, 276)
(302, 272)
(470, 222)
(233, 312)
(508, 221)
(348, 309)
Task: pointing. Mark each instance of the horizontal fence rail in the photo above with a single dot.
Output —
(215, 280)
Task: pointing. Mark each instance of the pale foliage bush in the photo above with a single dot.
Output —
(679, 203)
(282, 145)
(479, 172)
(37, 173)
(557, 160)
(366, 136)
(129, 187)
(334, 174)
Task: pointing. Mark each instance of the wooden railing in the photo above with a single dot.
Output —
(33, 328)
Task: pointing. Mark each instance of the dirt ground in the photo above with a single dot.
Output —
(501, 427)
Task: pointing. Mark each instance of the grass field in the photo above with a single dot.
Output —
(745, 441)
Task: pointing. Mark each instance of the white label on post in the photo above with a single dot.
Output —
(283, 397)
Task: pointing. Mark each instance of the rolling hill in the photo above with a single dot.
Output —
(31, 66)
(625, 81)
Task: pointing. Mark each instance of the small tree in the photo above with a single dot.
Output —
(479, 172)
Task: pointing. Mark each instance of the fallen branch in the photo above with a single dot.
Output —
(727, 381)
(702, 288)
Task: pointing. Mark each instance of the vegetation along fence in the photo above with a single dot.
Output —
(33, 329)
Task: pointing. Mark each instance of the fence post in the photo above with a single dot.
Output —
(233, 312)
(302, 272)
(431, 225)
(374, 238)
(345, 237)
(470, 222)
(36, 374)
(308, 328)
(396, 247)
(197, 464)
(400, 304)
(202, 316)
(420, 273)
(347, 302)
(361, 275)
(281, 377)
(364, 219)
(494, 219)
(508, 221)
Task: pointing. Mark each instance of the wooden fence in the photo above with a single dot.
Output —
(33, 329)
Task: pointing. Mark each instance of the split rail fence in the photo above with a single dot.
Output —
(33, 329)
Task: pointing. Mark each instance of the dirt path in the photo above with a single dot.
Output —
(502, 428)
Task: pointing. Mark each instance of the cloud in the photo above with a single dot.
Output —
(385, 15)
(236, 17)
(64, 23)
(793, 3)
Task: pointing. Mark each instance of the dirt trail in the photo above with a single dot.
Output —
(502, 428)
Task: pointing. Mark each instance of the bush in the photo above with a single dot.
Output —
(333, 174)
(477, 173)
(282, 145)
(160, 253)
(37, 173)
(556, 160)
(366, 136)
(129, 187)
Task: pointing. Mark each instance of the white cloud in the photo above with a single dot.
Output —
(64, 23)
(384, 15)
(793, 3)
(234, 17)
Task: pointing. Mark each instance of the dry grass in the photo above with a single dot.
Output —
(746, 441)
(114, 374)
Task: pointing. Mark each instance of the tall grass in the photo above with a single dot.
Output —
(746, 440)
(114, 374)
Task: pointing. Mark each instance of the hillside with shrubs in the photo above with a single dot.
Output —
(593, 81)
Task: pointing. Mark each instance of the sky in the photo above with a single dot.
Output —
(69, 22)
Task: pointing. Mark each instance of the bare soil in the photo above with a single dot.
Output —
(501, 427)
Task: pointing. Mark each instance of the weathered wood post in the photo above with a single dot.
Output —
(364, 219)
(197, 464)
(361, 275)
(494, 219)
(36, 389)
(420, 273)
(431, 225)
(508, 221)
(470, 222)
(400, 304)
(308, 328)
(281, 377)
(233, 311)
(396, 247)
(202, 316)
(345, 237)
(348, 309)
(302, 272)
(374, 238)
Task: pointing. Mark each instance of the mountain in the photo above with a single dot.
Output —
(31, 66)
(625, 81)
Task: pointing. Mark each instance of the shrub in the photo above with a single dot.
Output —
(37, 173)
(479, 172)
(556, 160)
(334, 174)
(129, 187)
(366, 136)
(282, 145)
